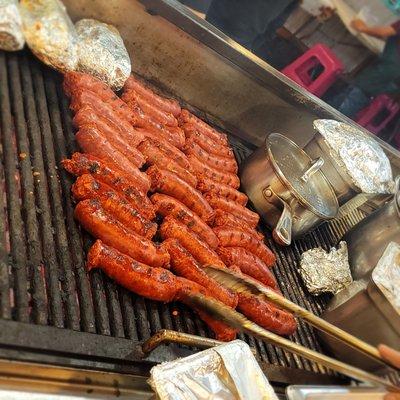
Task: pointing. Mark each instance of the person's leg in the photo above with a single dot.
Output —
(350, 101)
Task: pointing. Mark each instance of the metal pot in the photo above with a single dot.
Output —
(368, 239)
(287, 188)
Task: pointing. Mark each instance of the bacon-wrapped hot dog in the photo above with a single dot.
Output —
(248, 263)
(136, 219)
(86, 116)
(266, 315)
(204, 128)
(227, 164)
(169, 183)
(250, 217)
(183, 264)
(81, 164)
(167, 205)
(173, 229)
(225, 219)
(209, 145)
(154, 156)
(93, 142)
(106, 228)
(167, 105)
(160, 116)
(231, 237)
(200, 169)
(153, 283)
(221, 190)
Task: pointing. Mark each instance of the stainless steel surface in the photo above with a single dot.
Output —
(358, 312)
(272, 178)
(368, 239)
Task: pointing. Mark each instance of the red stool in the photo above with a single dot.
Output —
(378, 114)
(319, 61)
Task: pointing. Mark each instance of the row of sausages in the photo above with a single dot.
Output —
(204, 216)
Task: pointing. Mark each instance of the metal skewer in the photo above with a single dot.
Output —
(245, 284)
(231, 317)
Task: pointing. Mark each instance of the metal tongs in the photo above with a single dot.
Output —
(244, 284)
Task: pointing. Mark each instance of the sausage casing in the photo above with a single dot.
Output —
(231, 237)
(167, 205)
(103, 226)
(135, 219)
(173, 229)
(205, 185)
(169, 183)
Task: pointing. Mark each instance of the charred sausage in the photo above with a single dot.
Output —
(103, 226)
(136, 219)
(173, 229)
(167, 205)
(200, 169)
(169, 183)
(231, 237)
(248, 263)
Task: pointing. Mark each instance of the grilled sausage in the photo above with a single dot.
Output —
(87, 164)
(159, 115)
(167, 105)
(201, 170)
(205, 142)
(227, 164)
(221, 331)
(154, 156)
(169, 183)
(168, 149)
(204, 128)
(248, 263)
(167, 205)
(93, 142)
(231, 237)
(86, 116)
(106, 228)
(135, 219)
(173, 229)
(208, 185)
(225, 219)
(183, 264)
(153, 283)
(266, 315)
(250, 217)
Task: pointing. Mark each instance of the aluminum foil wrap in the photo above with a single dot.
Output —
(11, 36)
(324, 272)
(50, 33)
(387, 274)
(225, 372)
(359, 155)
(102, 53)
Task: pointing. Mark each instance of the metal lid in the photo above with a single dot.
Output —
(301, 175)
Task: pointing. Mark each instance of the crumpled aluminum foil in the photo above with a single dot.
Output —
(229, 371)
(387, 274)
(359, 155)
(324, 272)
(102, 52)
(50, 33)
(11, 36)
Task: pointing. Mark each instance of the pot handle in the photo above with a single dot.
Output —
(282, 233)
(315, 165)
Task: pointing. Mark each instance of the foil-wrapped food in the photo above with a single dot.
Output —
(326, 272)
(50, 33)
(359, 155)
(229, 371)
(11, 36)
(102, 53)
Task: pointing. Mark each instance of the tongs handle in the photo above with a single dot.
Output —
(238, 282)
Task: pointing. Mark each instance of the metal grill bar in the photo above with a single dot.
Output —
(47, 283)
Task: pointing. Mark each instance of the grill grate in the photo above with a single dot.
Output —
(42, 252)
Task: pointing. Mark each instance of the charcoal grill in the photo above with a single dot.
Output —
(51, 310)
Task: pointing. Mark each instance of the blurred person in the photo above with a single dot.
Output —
(382, 76)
